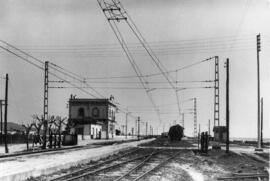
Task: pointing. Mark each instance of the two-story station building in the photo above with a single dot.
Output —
(92, 117)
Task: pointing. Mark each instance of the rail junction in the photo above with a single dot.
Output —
(137, 164)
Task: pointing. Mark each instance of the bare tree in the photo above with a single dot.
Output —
(38, 122)
(27, 128)
(69, 125)
(59, 122)
(51, 122)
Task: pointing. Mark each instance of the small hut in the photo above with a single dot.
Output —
(220, 133)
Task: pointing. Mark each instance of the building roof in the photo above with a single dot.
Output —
(87, 100)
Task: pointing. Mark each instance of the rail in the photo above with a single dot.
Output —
(156, 167)
(70, 176)
(137, 166)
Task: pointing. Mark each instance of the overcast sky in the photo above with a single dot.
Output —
(76, 36)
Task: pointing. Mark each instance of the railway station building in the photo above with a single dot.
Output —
(92, 118)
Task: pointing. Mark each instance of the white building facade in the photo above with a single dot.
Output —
(93, 118)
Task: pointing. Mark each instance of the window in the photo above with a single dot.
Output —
(81, 112)
(95, 112)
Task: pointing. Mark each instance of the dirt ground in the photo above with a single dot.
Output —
(164, 142)
(191, 165)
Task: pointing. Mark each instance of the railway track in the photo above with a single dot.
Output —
(146, 167)
(76, 173)
(134, 165)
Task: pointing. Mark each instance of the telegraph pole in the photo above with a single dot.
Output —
(209, 127)
(227, 106)
(1, 112)
(195, 117)
(126, 123)
(258, 91)
(45, 107)
(123, 128)
(138, 128)
(146, 125)
(183, 120)
(6, 111)
(199, 136)
(163, 127)
(262, 122)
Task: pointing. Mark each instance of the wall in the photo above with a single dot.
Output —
(88, 131)
(111, 112)
(96, 131)
(88, 111)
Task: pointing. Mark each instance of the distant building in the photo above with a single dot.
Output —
(13, 128)
(92, 117)
(220, 133)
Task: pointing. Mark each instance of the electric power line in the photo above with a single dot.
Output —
(64, 71)
(126, 49)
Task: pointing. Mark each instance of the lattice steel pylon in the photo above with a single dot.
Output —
(45, 106)
(195, 117)
(216, 93)
(46, 88)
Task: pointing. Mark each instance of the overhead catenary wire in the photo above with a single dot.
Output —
(74, 74)
(56, 68)
(136, 82)
(35, 64)
(76, 77)
(154, 74)
(108, 11)
(132, 88)
(198, 42)
(107, 54)
(128, 54)
(152, 55)
(23, 58)
(136, 48)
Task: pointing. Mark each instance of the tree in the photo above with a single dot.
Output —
(69, 125)
(44, 136)
(51, 123)
(27, 128)
(59, 122)
(38, 122)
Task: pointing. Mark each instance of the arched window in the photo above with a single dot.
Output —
(81, 112)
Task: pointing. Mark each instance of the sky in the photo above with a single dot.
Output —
(76, 36)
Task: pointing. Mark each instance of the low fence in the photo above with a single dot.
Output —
(53, 139)
(16, 138)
